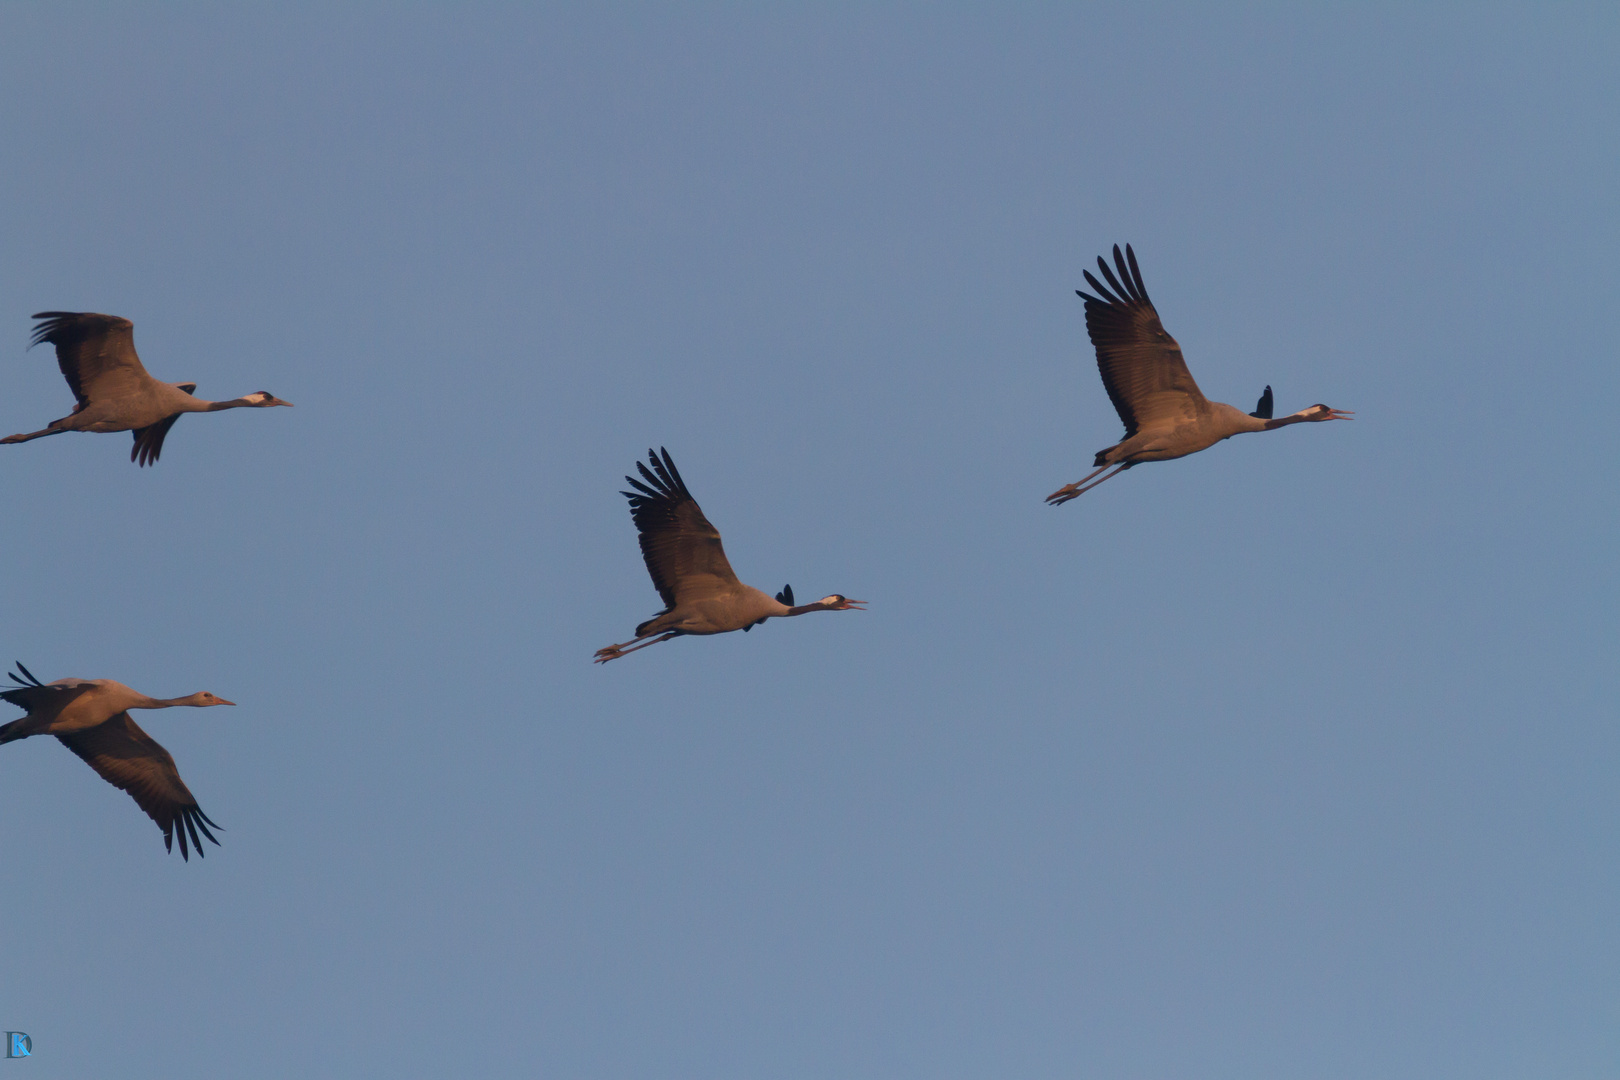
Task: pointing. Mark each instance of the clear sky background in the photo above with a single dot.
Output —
(1296, 758)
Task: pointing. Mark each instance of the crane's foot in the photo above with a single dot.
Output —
(1063, 495)
(613, 652)
(1085, 483)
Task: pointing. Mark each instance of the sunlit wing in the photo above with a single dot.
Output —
(1141, 364)
(681, 548)
(95, 352)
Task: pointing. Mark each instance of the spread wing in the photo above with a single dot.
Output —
(1141, 364)
(682, 549)
(129, 758)
(95, 352)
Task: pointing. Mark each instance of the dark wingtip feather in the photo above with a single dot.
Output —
(1106, 296)
(1136, 274)
(191, 826)
(1108, 275)
(1125, 290)
(664, 472)
(1263, 409)
(675, 474)
(51, 322)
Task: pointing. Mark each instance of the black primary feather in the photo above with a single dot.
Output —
(785, 596)
(1262, 411)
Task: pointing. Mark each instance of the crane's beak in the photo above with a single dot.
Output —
(278, 401)
(222, 701)
(853, 605)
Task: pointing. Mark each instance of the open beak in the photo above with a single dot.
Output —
(1341, 414)
(853, 605)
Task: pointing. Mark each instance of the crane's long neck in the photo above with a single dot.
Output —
(216, 406)
(187, 403)
(162, 703)
(805, 609)
(1300, 417)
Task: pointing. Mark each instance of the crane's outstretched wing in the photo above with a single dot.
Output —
(149, 440)
(129, 758)
(682, 549)
(95, 352)
(39, 698)
(1141, 364)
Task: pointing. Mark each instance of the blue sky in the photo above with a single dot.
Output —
(1294, 758)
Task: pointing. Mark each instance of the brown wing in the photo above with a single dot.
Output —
(95, 352)
(1141, 364)
(682, 549)
(129, 758)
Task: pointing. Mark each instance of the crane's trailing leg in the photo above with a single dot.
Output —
(1080, 487)
(33, 435)
(613, 652)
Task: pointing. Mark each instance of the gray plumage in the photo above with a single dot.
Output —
(689, 569)
(97, 356)
(1165, 414)
(91, 718)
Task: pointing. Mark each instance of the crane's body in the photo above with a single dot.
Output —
(96, 354)
(91, 718)
(1165, 415)
(726, 608)
(690, 571)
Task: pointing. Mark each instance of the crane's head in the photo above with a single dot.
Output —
(263, 399)
(202, 699)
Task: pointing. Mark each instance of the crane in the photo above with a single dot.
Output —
(97, 356)
(689, 569)
(1164, 413)
(91, 718)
